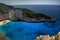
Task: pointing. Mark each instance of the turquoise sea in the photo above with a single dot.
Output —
(29, 31)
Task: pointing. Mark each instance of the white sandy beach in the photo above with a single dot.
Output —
(4, 22)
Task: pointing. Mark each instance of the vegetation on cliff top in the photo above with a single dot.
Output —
(27, 10)
(5, 8)
(18, 13)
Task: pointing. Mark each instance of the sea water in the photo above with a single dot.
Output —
(29, 31)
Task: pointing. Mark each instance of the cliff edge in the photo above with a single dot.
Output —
(22, 14)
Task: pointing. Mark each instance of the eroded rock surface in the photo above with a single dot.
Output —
(22, 14)
(3, 37)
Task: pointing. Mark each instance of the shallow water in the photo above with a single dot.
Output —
(29, 31)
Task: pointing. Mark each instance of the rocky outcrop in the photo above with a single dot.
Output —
(22, 14)
(4, 11)
(47, 37)
(3, 37)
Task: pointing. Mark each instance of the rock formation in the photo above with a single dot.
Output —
(22, 14)
(57, 37)
(47, 37)
(3, 37)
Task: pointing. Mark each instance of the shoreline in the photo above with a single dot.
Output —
(47, 37)
(4, 22)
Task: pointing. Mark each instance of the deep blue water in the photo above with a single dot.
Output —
(29, 31)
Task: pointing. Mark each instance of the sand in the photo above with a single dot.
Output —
(4, 22)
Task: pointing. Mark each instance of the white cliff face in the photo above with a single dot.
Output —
(4, 22)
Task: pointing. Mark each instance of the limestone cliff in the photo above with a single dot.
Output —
(47, 37)
(22, 14)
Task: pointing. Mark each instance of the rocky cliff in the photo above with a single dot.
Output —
(3, 37)
(47, 37)
(22, 14)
